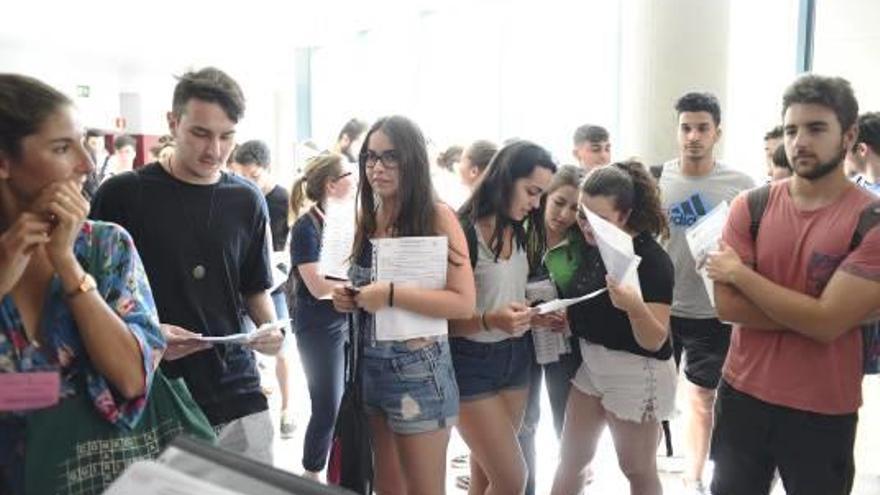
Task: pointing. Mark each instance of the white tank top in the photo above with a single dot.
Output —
(498, 283)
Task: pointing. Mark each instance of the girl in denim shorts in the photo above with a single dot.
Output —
(492, 357)
(409, 386)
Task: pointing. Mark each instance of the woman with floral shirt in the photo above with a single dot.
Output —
(73, 295)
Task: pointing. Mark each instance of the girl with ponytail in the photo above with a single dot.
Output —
(627, 378)
(320, 329)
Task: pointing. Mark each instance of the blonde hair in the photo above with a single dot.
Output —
(312, 185)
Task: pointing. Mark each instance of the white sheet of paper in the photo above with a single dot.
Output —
(702, 238)
(415, 262)
(337, 239)
(244, 338)
(557, 304)
(616, 248)
(153, 478)
(280, 270)
(548, 345)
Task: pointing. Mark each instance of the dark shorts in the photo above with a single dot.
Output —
(752, 438)
(704, 343)
(484, 369)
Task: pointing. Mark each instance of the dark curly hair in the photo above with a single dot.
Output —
(634, 190)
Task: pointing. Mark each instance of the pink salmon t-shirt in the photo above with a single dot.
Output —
(801, 250)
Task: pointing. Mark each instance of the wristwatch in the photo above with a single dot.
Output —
(87, 284)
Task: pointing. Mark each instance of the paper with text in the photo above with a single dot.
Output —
(616, 249)
(414, 262)
(702, 238)
(549, 345)
(337, 239)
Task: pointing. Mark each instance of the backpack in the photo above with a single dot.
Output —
(291, 286)
(869, 218)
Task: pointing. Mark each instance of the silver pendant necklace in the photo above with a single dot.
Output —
(199, 271)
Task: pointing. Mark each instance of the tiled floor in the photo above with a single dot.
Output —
(608, 479)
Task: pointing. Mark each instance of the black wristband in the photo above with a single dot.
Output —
(390, 294)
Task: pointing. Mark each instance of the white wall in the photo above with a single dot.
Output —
(487, 70)
(668, 48)
(762, 55)
(57, 68)
(848, 45)
(141, 91)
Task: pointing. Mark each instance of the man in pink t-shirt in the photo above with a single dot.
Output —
(792, 379)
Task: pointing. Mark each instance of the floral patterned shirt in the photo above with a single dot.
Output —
(107, 252)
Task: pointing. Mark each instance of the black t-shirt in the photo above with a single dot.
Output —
(176, 227)
(277, 200)
(305, 247)
(598, 321)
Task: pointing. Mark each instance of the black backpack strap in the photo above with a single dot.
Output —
(657, 171)
(757, 199)
(868, 219)
(470, 234)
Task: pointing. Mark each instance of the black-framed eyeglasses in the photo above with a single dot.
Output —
(343, 175)
(389, 159)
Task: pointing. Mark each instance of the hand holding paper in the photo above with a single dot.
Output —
(722, 265)
(624, 297)
(616, 248)
(267, 332)
(514, 318)
(702, 238)
(181, 342)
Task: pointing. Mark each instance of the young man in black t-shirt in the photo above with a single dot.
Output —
(202, 236)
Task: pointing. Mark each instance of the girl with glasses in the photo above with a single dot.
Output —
(409, 387)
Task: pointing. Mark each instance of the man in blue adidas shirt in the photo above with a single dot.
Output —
(691, 185)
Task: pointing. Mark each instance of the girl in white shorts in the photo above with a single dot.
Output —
(627, 379)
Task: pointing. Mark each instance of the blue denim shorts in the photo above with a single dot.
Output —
(484, 369)
(414, 388)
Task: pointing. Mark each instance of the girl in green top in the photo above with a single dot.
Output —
(556, 251)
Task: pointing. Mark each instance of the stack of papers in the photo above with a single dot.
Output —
(337, 239)
(549, 344)
(415, 262)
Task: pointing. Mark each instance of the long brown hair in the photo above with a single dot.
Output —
(312, 185)
(494, 192)
(416, 212)
(566, 175)
(25, 103)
